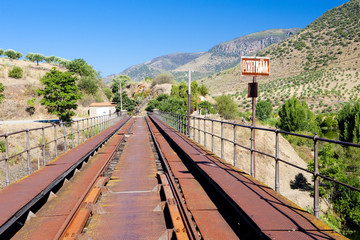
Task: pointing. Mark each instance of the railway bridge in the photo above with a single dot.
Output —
(142, 179)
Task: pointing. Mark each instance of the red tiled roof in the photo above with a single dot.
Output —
(102, 104)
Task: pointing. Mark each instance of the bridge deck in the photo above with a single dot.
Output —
(213, 199)
(131, 208)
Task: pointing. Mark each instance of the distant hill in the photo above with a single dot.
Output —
(222, 56)
(319, 64)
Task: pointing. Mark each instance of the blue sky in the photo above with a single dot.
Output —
(113, 35)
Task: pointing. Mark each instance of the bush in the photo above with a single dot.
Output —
(349, 122)
(162, 78)
(108, 93)
(1, 92)
(263, 110)
(226, 107)
(16, 72)
(296, 116)
(88, 84)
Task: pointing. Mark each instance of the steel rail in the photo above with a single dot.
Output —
(253, 227)
(27, 207)
(189, 225)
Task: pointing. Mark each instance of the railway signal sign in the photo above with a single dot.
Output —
(255, 66)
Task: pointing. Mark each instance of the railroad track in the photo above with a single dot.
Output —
(147, 181)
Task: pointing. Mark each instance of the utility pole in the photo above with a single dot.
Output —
(189, 104)
(120, 93)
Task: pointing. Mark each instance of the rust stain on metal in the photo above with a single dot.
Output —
(129, 206)
(55, 214)
(259, 202)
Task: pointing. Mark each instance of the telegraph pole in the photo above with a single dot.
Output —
(189, 104)
(120, 96)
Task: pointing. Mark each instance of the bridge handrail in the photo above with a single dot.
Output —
(85, 128)
(181, 121)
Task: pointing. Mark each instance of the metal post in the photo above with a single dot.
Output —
(44, 146)
(222, 140)
(55, 141)
(212, 135)
(91, 127)
(83, 131)
(194, 129)
(87, 128)
(78, 132)
(72, 135)
(7, 160)
(252, 164)
(204, 132)
(189, 126)
(235, 145)
(189, 104)
(65, 149)
(28, 150)
(253, 130)
(277, 172)
(316, 179)
(199, 131)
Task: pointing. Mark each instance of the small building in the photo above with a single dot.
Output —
(102, 108)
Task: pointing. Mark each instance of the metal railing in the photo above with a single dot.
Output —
(180, 123)
(64, 137)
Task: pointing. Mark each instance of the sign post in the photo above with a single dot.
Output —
(254, 66)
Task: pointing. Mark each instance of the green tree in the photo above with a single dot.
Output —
(1, 52)
(203, 90)
(349, 122)
(60, 93)
(16, 72)
(18, 55)
(108, 93)
(345, 202)
(2, 89)
(30, 56)
(207, 107)
(12, 54)
(263, 110)
(88, 84)
(124, 79)
(37, 57)
(50, 59)
(296, 116)
(81, 67)
(226, 107)
(127, 103)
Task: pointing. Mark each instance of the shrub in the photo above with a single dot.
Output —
(162, 78)
(263, 110)
(16, 72)
(349, 122)
(296, 116)
(226, 107)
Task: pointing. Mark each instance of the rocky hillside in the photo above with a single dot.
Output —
(319, 64)
(218, 58)
(228, 54)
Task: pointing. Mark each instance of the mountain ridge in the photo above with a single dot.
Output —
(222, 56)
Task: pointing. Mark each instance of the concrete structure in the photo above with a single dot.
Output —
(102, 108)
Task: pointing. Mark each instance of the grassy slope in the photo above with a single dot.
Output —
(18, 91)
(320, 64)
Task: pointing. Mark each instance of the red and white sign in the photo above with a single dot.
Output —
(255, 66)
